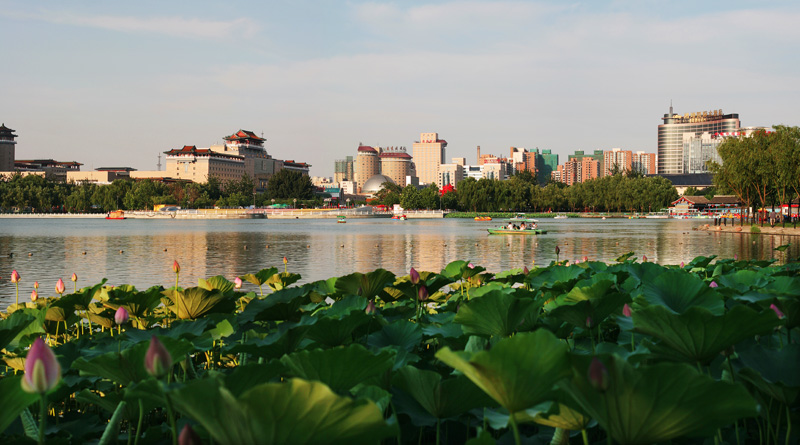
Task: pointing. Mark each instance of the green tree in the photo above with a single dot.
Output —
(410, 198)
(288, 184)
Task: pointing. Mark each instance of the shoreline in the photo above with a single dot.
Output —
(745, 230)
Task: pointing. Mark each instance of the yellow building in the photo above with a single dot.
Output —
(429, 154)
(396, 164)
(199, 164)
(367, 165)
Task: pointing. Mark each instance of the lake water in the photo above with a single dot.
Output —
(141, 252)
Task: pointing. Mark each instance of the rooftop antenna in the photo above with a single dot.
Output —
(670, 107)
(159, 162)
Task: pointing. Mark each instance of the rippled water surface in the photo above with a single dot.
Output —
(141, 252)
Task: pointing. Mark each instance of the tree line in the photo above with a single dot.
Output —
(616, 193)
(762, 169)
(33, 193)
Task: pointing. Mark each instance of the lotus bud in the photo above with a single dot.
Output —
(237, 283)
(414, 276)
(60, 286)
(598, 375)
(36, 285)
(713, 285)
(74, 277)
(471, 266)
(371, 309)
(42, 370)
(188, 436)
(777, 311)
(589, 322)
(423, 293)
(34, 295)
(525, 270)
(285, 261)
(735, 257)
(585, 259)
(176, 268)
(15, 277)
(121, 316)
(644, 258)
(157, 360)
(558, 250)
(626, 310)
(682, 265)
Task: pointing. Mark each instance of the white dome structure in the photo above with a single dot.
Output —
(373, 184)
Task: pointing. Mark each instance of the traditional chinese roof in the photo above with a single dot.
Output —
(395, 154)
(702, 200)
(191, 150)
(5, 131)
(244, 135)
(291, 163)
(115, 169)
(366, 149)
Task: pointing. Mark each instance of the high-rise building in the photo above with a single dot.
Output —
(367, 165)
(429, 154)
(257, 163)
(450, 174)
(523, 160)
(546, 164)
(343, 170)
(7, 148)
(396, 164)
(618, 160)
(644, 163)
(670, 134)
(579, 169)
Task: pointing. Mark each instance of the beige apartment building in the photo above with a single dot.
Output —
(618, 159)
(450, 174)
(367, 165)
(199, 164)
(396, 164)
(429, 154)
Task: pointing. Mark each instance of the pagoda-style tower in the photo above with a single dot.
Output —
(7, 144)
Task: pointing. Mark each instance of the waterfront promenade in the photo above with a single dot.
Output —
(357, 212)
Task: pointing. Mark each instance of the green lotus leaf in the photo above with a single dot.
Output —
(369, 285)
(401, 334)
(13, 400)
(624, 257)
(678, 291)
(194, 302)
(496, 313)
(297, 412)
(105, 318)
(460, 270)
(12, 326)
(279, 306)
(775, 372)
(283, 340)
(556, 415)
(332, 331)
(377, 395)
(742, 281)
(247, 376)
(657, 403)
(518, 372)
(127, 366)
(218, 282)
(440, 398)
(282, 280)
(596, 301)
(698, 335)
(261, 276)
(790, 308)
(138, 304)
(701, 261)
(340, 368)
(557, 278)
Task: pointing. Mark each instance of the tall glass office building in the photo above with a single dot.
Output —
(670, 135)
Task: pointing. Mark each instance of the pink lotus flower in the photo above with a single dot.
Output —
(471, 266)
(423, 293)
(414, 276)
(15, 277)
(176, 268)
(157, 361)
(60, 287)
(237, 283)
(589, 322)
(525, 270)
(777, 311)
(644, 258)
(682, 265)
(713, 285)
(598, 375)
(626, 310)
(74, 277)
(735, 257)
(34, 295)
(188, 436)
(585, 259)
(121, 316)
(42, 370)
(371, 309)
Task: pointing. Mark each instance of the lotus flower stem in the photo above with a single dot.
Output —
(788, 428)
(515, 429)
(42, 417)
(139, 423)
(170, 413)
(438, 424)
(585, 437)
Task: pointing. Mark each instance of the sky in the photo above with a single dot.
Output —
(118, 83)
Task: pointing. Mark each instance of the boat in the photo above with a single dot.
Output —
(341, 219)
(483, 218)
(560, 216)
(657, 215)
(521, 217)
(116, 214)
(400, 217)
(503, 231)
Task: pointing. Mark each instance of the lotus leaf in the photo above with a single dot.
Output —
(13, 400)
(283, 340)
(596, 301)
(218, 282)
(296, 412)
(340, 368)
(657, 403)
(440, 398)
(518, 372)
(194, 302)
(12, 326)
(331, 331)
(282, 305)
(678, 291)
(774, 372)
(260, 277)
(558, 278)
(556, 415)
(282, 280)
(369, 285)
(497, 313)
(697, 335)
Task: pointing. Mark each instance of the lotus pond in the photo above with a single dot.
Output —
(627, 352)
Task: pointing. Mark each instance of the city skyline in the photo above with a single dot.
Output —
(114, 84)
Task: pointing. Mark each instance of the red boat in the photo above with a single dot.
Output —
(400, 217)
(116, 214)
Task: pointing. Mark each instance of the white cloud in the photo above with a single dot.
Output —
(194, 28)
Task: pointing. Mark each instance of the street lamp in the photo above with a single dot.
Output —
(295, 202)
(348, 202)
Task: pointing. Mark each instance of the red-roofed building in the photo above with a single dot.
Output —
(396, 164)
(199, 164)
(257, 163)
(367, 165)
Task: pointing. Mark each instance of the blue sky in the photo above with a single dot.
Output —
(115, 84)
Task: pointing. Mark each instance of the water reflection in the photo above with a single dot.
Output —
(141, 252)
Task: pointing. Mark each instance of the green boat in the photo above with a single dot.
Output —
(517, 232)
